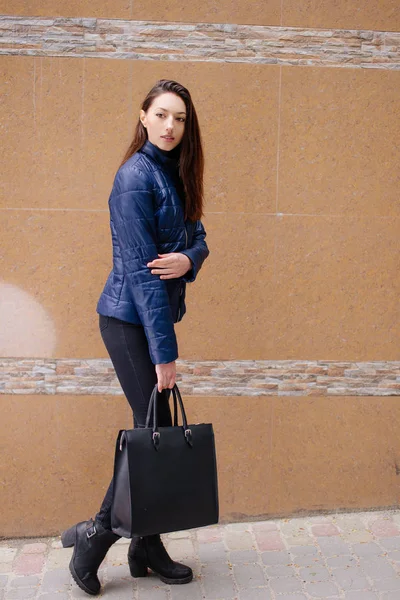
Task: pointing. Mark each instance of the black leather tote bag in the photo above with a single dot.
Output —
(165, 478)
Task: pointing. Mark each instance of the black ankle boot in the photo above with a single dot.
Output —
(91, 542)
(149, 551)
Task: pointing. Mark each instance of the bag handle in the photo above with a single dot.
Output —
(175, 409)
(153, 405)
(153, 400)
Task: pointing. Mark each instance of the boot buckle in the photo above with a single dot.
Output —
(92, 532)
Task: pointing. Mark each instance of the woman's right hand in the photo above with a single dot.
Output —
(166, 375)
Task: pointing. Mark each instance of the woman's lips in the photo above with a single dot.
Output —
(167, 139)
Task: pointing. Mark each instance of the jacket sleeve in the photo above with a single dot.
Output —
(197, 253)
(132, 212)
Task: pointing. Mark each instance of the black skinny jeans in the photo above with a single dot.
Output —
(129, 352)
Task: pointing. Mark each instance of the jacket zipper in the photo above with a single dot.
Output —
(186, 242)
(181, 290)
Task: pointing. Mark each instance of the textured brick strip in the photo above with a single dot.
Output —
(209, 378)
(213, 42)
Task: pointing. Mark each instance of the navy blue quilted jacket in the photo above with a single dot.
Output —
(147, 219)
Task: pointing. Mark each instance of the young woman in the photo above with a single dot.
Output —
(158, 239)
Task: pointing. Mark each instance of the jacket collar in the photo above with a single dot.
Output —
(169, 163)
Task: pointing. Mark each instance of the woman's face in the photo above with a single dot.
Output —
(165, 120)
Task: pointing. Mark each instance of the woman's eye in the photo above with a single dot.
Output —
(181, 119)
(159, 115)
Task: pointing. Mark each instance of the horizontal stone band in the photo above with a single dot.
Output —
(210, 378)
(215, 42)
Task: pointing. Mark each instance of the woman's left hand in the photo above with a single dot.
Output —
(170, 266)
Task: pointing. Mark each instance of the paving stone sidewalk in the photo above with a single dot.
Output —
(352, 556)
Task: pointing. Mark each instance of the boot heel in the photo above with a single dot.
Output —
(68, 537)
(137, 568)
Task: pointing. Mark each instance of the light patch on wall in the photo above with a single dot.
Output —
(26, 330)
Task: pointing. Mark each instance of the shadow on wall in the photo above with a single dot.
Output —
(26, 330)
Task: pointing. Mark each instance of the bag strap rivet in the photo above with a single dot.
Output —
(188, 436)
(156, 439)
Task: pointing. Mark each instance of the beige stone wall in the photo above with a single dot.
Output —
(295, 311)
(301, 190)
(354, 14)
(276, 455)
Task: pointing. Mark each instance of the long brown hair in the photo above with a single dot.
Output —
(191, 159)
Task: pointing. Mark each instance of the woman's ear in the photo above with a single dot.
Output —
(142, 117)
